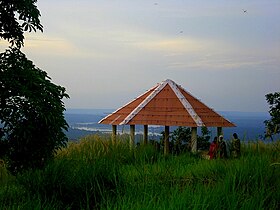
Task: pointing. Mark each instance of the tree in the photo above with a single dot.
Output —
(180, 139)
(273, 125)
(17, 16)
(31, 111)
(32, 122)
(203, 141)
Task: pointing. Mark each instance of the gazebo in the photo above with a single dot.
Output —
(166, 104)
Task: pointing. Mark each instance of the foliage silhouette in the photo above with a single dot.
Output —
(32, 123)
(17, 16)
(31, 112)
(203, 141)
(273, 125)
(180, 140)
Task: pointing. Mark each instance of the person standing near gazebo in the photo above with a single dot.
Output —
(235, 146)
(222, 148)
(213, 149)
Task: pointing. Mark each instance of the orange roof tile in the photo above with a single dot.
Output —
(166, 104)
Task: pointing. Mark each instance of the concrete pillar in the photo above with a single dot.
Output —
(219, 131)
(166, 140)
(132, 136)
(114, 133)
(194, 140)
(145, 134)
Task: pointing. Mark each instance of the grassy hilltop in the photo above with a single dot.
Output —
(95, 174)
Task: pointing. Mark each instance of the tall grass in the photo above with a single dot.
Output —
(95, 173)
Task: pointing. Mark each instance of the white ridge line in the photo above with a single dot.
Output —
(144, 103)
(220, 115)
(185, 103)
(100, 121)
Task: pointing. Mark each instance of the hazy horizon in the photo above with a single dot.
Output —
(249, 124)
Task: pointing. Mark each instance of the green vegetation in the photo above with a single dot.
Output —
(273, 125)
(96, 174)
(180, 140)
(32, 122)
(31, 113)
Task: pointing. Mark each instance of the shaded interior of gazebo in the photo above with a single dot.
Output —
(166, 104)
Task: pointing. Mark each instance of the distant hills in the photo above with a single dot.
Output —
(85, 121)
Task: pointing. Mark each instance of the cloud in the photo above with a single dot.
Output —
(103, 52)
(172, 45)
(223, 64)
(48, 45)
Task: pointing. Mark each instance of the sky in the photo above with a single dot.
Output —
(106, 53)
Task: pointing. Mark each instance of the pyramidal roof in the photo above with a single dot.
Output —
(166, 104)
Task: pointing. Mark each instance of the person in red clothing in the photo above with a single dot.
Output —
(213, 149)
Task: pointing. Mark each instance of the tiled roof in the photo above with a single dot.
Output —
(166, 104)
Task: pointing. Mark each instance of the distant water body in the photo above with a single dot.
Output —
(249, 125)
